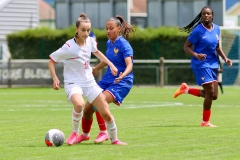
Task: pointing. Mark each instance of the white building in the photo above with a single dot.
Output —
(16, 15)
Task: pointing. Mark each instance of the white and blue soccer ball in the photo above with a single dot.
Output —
(54, 137)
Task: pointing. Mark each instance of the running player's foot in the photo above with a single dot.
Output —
(182, 89)
(102, 136)
(82, 138)
(117, 142)
(72, 138)
(207, 124)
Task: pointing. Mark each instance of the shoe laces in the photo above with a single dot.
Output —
(74, 134)
(100, 135)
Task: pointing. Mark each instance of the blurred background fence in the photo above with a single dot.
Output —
(146, 72)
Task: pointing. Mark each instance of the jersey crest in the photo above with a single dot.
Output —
(115, 51)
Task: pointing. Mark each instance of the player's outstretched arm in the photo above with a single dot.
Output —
(221, 53)
(100, 65)
(103, 58)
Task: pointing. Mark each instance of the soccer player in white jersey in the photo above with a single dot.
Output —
(79, 80)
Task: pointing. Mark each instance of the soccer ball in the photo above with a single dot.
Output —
(54, 137)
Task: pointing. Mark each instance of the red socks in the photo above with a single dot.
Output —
(206, 115)
(86, 125)
(194, 91)
(101, 122)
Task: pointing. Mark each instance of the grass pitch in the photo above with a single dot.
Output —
(154, 124)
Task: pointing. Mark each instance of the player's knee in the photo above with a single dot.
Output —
(215, 97)
(106, 116)
(80, 105)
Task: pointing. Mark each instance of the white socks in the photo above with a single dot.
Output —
(112, 130)
(76, 120)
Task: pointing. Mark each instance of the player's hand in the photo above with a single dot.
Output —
(229, 62)
(114, 70)
(56, 84)
(94, 71)
(201, 56)
(118, 79)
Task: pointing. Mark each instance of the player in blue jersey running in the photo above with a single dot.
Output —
(116, 88)
(204, 36)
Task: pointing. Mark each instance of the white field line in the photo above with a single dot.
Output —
(53, 106)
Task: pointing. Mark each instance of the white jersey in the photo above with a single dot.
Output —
(76, 60)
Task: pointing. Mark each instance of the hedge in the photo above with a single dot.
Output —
(148, 43)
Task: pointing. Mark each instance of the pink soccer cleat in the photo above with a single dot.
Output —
(102, 136)
(118, 142)
(82, 138)
(207, 124)
(72, 138)
(182, 89)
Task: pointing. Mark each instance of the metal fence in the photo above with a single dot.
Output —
(146, 72)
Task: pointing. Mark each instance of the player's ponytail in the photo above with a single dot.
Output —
(126, 28)
(197, 20)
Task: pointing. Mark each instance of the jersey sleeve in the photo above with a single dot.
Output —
(60, 54)
(127, 50)
(193, 36)
(94, 45)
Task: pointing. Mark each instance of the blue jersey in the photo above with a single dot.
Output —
(205, 41)
(116, 53)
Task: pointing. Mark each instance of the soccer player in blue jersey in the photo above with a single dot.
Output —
(116, 88)
(204, 36)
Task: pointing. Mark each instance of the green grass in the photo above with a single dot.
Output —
(153, 123)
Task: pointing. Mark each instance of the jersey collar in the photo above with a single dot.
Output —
(208, 29)
(116, 39)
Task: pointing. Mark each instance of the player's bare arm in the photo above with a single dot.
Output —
(56, 82)
(102, 57)
(98, 67)
(129, 64)
(187, 48)
(221, 53)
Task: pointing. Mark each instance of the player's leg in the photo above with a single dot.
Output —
(114, 93)
(102, 135)
(210, 86)
(185, 89)
(209, 94)
(74, 96)
(87, 120)
(215, 92)
(102, 106)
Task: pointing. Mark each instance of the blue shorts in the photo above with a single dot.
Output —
(119, 91)
(205, 75)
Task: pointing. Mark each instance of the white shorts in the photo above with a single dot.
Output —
(89, 92)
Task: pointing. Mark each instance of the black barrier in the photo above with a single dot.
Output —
(28, 73)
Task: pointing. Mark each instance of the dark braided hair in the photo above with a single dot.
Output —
(126, 28)
(195, 22)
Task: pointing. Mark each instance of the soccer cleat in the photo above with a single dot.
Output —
(117, 142)
(82, 138)
(182, 89)
(102, 136)
(207, 124)
(72, 138)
